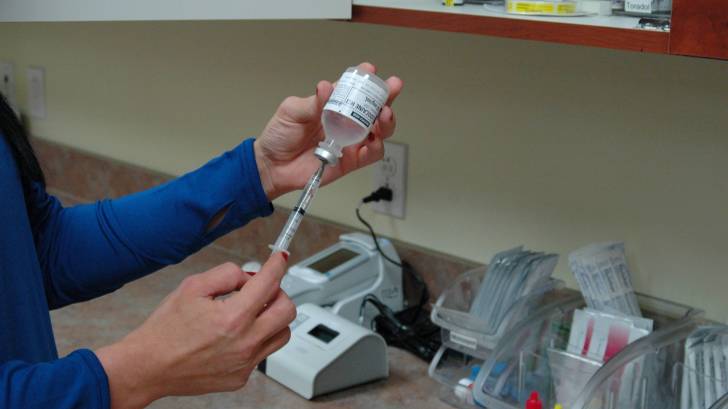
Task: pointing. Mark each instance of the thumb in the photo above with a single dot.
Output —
(303, 110)
(323, 93)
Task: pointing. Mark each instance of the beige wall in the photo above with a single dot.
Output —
(511, 142)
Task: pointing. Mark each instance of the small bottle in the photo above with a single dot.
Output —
(464, 389)
(534, 402)
(350, 112)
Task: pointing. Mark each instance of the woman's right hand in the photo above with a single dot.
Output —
(196, 342)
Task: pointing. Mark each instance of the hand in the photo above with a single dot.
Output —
(196, 342)
(284, 151)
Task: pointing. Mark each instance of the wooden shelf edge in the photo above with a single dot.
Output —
(700, 29)
(575, 34)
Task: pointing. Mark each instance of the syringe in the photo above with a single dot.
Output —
(294, 220)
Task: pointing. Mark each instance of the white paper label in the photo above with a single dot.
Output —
(357, 97)
(638, 6)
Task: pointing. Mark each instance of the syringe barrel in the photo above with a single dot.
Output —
(289, 230)
(294, 219)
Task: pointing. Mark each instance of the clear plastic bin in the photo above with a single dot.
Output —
(534, 355)
(518, 364)
(448, 367)
(722, 403)
(455, 361)
(466, 332)
(654, 373)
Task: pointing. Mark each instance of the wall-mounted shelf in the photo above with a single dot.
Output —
(157, 10)
(699, 27)
(617, 32)
(601, 31)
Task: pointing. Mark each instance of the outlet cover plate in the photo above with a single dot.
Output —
(36, 92)
(7, 84)
(391, 171)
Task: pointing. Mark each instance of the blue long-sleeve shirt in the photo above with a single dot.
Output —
(51, 256)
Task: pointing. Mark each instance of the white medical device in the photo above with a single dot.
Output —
(326, 353)
(340, 276)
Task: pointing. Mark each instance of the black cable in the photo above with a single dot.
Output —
(424, 292)
(422, 338)
(385, 193)
(374, 236)
(382, 308)
(408, 329)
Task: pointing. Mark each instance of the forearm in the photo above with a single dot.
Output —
(75, 382)
(89, 250)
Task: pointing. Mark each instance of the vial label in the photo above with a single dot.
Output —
(358, 98)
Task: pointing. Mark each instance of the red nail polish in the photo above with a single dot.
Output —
(285, 256)
(250, 273)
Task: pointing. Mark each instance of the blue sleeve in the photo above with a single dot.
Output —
(77, 381)
(89, 250)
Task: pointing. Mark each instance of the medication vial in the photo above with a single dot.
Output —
(348, 116)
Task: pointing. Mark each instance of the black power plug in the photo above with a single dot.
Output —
(383, 193)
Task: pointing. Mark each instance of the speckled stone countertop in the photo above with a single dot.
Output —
(107, 319)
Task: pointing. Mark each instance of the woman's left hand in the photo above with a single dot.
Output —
(284, 151)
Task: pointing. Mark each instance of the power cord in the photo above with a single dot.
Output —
(408, 329)
(383, 193)
(386, 194)
(381, 307)
(420, 337)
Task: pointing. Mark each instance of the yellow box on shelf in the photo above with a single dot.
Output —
(543, 8)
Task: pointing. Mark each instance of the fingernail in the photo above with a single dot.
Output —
(285, 256)
(250, 273)
(371, 137)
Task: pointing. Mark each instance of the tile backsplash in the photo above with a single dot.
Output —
(75, 177)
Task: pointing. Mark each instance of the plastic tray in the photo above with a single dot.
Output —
(466, 332)
(534, 356)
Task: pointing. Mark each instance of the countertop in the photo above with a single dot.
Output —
(107, 319)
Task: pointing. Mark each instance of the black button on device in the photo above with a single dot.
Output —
(323, 333)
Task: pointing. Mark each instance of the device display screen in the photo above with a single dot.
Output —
(333, 260)
(323, 333)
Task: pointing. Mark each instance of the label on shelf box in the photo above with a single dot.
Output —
(638, 6)
(540, 7)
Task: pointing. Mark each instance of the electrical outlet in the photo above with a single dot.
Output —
(7, 84)
(391, 171)
(36, 92)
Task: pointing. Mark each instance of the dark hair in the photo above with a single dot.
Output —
(17, 139)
